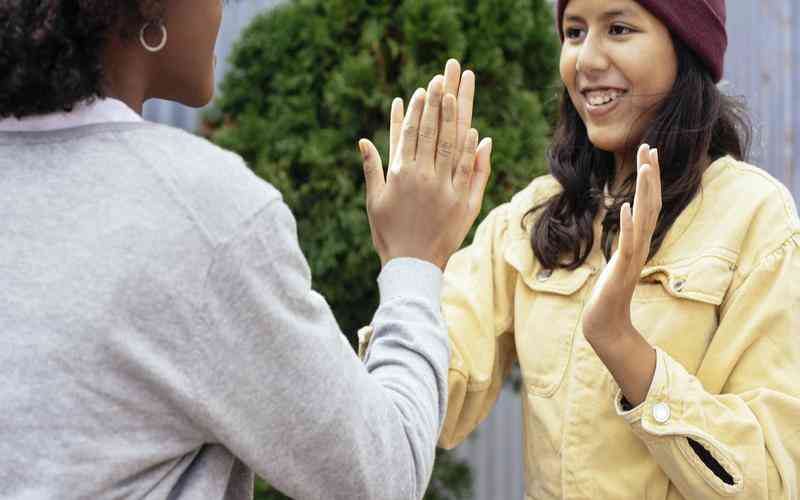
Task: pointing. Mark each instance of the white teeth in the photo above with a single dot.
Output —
(602, 97)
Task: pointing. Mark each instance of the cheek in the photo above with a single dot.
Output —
(566, 66)
(657, 80)
(655, 85)
(568, 73)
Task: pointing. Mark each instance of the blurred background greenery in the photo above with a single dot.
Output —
(310, 77)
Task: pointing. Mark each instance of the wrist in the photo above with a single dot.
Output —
(435, 260)
(631, 361)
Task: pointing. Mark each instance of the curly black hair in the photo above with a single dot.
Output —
(51, 50)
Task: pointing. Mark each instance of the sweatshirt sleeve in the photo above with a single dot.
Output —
(743, 442)
(281, 388)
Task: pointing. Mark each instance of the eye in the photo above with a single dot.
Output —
(620, 30)
(573, 33)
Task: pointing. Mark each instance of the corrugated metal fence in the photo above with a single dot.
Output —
(763, 65)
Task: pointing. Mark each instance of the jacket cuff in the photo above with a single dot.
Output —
(662, 423)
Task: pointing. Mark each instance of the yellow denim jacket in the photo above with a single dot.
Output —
(721, 303)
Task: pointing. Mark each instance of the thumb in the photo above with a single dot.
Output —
(373, 169)
(480, 177)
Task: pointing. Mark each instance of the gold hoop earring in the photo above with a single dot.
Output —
(151, 48)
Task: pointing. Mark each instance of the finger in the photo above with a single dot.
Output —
(410, 132)
(642, 155)
(642, 159)
(642, 209)
(656, 180)
(466, 164)
(466, 97)
(640, 195)
(395, 126)
(626, 234)
(446, 146)
(452, 77)
(429, 126)
(480, 175)
(373, 170)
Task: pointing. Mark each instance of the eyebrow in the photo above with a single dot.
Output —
(611, 14)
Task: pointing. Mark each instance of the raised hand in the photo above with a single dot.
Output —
(608, 312)
(437, 173)
(607, 324)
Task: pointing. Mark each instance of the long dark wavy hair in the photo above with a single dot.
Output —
(695, 121)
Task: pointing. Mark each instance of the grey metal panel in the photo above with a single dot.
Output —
(237, 15)
(494, 451)
(762, 65)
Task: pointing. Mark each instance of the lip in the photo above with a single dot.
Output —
(604, 109)
(589, 88)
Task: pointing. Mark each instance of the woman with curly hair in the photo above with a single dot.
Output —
(160, 336)
(651, 295)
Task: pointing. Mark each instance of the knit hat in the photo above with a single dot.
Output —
(700, 24)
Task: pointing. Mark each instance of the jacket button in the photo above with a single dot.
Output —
(661, 412)
(544, 274)
(678, 286)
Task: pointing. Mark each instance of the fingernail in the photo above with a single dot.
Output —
(362, 149)
(654, 152)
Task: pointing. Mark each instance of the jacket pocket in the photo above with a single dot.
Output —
(705, 278)
(676, 306)
(548, 325)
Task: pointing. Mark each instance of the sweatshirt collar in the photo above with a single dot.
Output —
(106, 110)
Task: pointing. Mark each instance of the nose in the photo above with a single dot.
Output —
(592, 56)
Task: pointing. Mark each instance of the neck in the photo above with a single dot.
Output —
(126, 75)
(625, 164)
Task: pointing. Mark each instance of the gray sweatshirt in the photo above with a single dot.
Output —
(160, 338)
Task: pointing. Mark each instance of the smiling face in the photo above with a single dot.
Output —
(618, 63)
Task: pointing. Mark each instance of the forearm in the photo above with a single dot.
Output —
(408, 354)
(631, 360)
(274, 380)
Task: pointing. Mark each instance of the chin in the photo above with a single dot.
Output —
(607, 140)
(200, 98)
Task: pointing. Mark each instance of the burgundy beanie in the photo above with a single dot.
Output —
(700, 24)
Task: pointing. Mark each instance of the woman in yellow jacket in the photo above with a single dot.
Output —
(660, 344)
